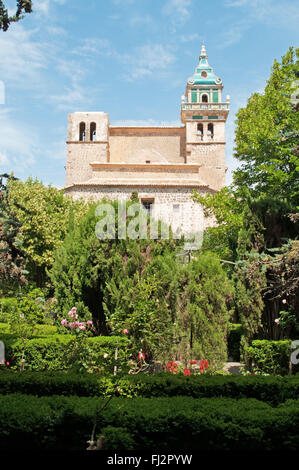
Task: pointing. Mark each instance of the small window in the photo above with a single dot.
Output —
(93, 132)
(147, 161)
(147, 205)
(82, 131)
(204, 99)
(203, 74)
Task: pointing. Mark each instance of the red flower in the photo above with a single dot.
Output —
(193, 362)
(172, 367)
(7, 364)
(141, 356)
(187, 372)
(125, 331)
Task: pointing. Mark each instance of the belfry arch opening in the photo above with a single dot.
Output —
(210, 131)
(200, 131)
(93, 132)
(204, 98)
(82, 131)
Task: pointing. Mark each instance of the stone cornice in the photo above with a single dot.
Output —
(165, 166)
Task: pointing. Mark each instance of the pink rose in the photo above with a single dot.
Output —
(276, 320)
(64, 322)
(284, 301)
(89, 323)
(125, 331)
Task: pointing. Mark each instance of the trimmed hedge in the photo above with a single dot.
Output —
(273, 390)
(163, 424)
(234, 341)
(40, 330)
(269, 357)
(48, 352)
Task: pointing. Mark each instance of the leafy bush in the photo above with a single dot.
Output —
(273, 390)
(234, 341)
(40, 330)
(52, 352)
(7, 307)
(270, 357)
(163, 424)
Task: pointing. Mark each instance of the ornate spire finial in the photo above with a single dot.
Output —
(203, 52)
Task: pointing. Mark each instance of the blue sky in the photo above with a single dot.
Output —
(131, 59)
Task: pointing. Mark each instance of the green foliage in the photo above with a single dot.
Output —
(40, 330)
(234, 341)
(267, 136)
(225, 206)
(46, 215)
(117, 438)
(12, 272)
(7, 307)
(273, 390)
(163, 424)
(22, 7)
(270, 357)
(204, 308)
(117, 281)
(54, 352)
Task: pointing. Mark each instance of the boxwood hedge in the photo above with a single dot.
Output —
(273, 390)
(48, 352)
(163, 424)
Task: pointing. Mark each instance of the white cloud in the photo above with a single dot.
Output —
(19, 142)
(42, 7)
(22, 59)
(233, 35)
(147, 59)
(140, 20)
(276, 13)
(178, 11)
(92, 46)
(191, 37)
(4, 160)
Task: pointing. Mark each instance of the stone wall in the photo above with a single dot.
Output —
(139, 145)
(172, 205)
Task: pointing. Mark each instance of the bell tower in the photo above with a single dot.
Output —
(204, 114)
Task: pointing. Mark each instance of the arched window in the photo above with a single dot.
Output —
(82, 132)
(200, 131)
(204, 99)
(93, 132)
(211, 131)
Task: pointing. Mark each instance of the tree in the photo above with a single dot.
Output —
(267, 136)
(227, 208)
(111, 278)
(23, 6)
(45, 213)
(205, 295)
(12, 257)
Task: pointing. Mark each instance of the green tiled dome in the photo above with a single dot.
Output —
(204, 74)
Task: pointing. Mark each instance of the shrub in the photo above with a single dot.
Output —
(273, 390)
(7, 307)
(49, 352)
(163, 424)
(234, 340)
(270, 357)
(40, 330)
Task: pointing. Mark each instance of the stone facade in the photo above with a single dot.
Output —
(163, 164)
